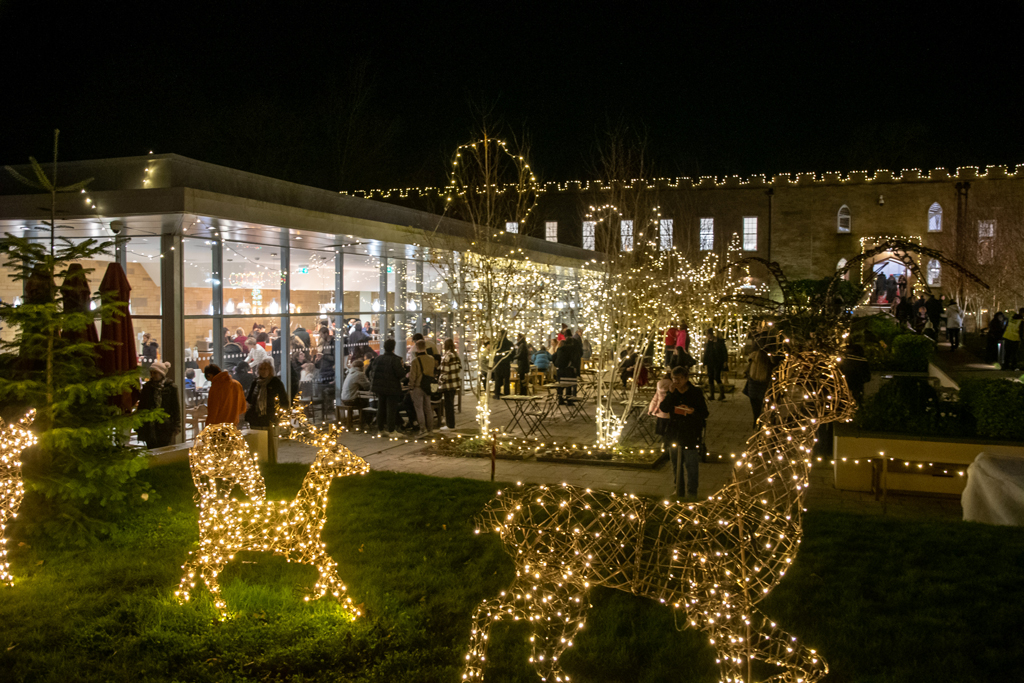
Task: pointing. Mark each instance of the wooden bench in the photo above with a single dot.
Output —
(347, 413)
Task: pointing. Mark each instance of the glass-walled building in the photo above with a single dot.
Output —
(213, 254)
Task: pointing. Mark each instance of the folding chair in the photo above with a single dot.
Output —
(535, 415)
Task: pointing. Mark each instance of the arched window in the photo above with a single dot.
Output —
(935, 218)
(843, 224)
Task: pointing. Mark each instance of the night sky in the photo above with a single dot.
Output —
(356, 96)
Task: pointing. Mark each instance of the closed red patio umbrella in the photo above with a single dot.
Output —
(121, 356)
(77, 296)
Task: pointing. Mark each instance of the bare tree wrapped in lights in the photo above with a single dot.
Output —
(493, 284)
(13, 440)
(289, 528)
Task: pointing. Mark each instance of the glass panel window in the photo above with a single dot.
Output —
(707, 234)
(934, 273)
(551, 231)
(512, 226)
(589, 238)
(750, 233)
(986, 241)
(935, 218)
(626, 230)
(844, 220)
(665, 234)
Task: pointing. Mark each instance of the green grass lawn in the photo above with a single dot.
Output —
(882, 599)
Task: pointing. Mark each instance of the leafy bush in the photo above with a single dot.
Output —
(997, 405)
(910, 352)
(909, 405)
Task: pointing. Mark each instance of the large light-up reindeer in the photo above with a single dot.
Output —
(14, 439)
(289, 528)
(712, 561)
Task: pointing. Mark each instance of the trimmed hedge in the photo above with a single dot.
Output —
(997, 405)
(910, 352)
(987, 409)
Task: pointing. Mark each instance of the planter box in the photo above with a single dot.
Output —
(255, 439)
(853, 451)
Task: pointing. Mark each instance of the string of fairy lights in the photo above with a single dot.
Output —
(14, 439)
(756, 180)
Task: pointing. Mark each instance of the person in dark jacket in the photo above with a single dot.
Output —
(522, 362)
(243, 374)
(266, 394)
(563, 360)
(892, 288)
(996, 327)
(934, 309)
(715, 359)
(856, 370)
(386, 374)
(502, 372)
(160, 392)
(687, 411)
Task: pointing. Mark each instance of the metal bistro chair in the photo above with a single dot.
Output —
(535, 414)
(309, 399)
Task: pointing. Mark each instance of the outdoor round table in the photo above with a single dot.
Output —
(517, 405)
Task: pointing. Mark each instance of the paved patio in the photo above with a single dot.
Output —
(729, 426)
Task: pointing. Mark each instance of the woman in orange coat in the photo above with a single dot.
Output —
(226, 402)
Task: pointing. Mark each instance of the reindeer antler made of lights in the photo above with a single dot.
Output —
(14, 439)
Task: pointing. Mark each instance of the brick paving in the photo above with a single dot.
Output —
(729, 426)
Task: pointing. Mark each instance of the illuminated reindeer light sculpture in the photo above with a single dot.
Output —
(13, 440)
(220, 460)
(713, 560)
(288, 528)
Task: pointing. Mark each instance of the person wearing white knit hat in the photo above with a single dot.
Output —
(160, 393)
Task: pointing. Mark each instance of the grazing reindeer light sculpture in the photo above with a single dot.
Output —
(13, 440)
(288, 528)
(712, 560)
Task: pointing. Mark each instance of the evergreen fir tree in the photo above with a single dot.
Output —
(81, 475)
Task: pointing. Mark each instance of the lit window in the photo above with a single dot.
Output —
(588, 234)
(750, 233)
(935, 218)
(707, 234)
(934, 273)
(666, 234)
(986, 241)
(512, 226)
(626, 228)
(843, 224)
(551, 231)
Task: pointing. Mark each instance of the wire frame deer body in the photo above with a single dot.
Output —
(288, 528)
(219, 460)
(713, 561)
(14, 439)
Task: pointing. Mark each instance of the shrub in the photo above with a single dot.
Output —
(910, 352)
(909, 405)
(997, 405)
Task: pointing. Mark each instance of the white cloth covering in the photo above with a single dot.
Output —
(995, 490)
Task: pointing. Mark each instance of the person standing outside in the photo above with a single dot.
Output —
(1012, 337)
(386, 373)
(954, 321)
(522, 363)
(502, 372)
(451, 380)
(716, 359)
(683, 336)
(422, 375)
(687, 411)
(670, 343)
(266, 394)
(759, 372)
(226, 403)
(160, 392)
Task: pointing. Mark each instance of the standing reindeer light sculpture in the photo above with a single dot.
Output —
(713, 561)
(14, 439)
(289, 528)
